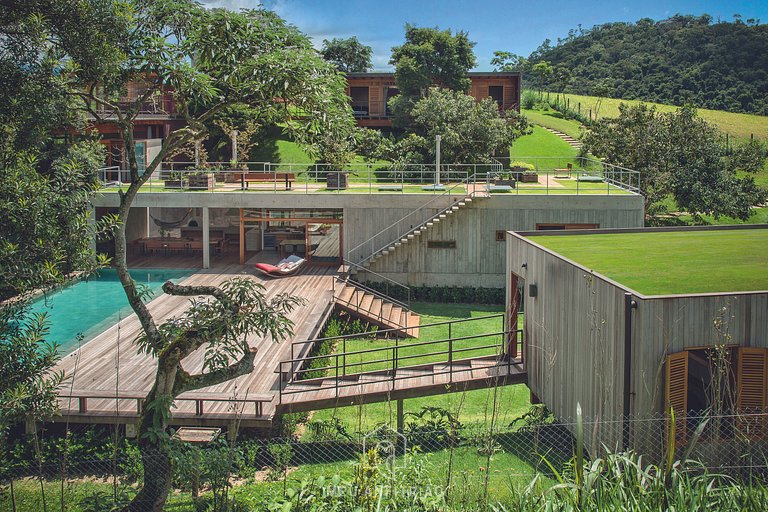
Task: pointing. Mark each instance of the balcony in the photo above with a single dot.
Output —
(158, 107)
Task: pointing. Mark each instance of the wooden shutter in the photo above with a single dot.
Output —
(752, 391)
(676, 393)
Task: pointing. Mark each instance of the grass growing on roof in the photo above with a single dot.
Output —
(672, 262)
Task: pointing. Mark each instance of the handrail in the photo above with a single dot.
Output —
(447, 193)
(383, 277)
(390, 372)
(385, 331)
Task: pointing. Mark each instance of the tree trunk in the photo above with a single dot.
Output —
(155, 445)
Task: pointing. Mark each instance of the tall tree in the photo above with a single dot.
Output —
(471, 131)
(348, 55)
(677, 154)
(430, 57)
(208, 60)
(508, 61)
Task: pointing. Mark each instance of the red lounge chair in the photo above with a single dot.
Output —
(285, 267)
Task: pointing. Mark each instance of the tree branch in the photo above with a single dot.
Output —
(201, 380)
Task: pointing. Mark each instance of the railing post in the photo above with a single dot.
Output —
(394, 360)
(450, 355)
(344, 351)
(337, 375)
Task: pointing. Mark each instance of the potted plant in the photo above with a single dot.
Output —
(524, 172)
(200, 180)
(336, 180)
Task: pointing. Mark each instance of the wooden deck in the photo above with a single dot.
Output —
(109, 365)
(406, 382)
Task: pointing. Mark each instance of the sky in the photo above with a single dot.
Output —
(515, 26)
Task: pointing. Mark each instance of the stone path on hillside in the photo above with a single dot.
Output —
(574, 143)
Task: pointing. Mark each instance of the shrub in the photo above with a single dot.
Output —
(528, 100)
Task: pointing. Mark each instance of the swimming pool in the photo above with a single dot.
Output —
(87, 307)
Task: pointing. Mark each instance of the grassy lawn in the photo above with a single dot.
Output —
(472, 407)
(542, 143)
(759, 216)
(669, 263)
(553, 119)
(740, 126)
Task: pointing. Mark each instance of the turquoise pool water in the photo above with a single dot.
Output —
(89, 306)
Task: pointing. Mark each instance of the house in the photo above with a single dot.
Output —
(370, 93)
(157, 117)
(625, 322)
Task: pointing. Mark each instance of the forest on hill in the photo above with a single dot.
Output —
(679, 60)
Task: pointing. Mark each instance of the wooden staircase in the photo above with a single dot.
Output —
(416, 233)
(375, 308)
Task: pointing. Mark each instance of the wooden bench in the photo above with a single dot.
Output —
(267, 177)
(198, 397)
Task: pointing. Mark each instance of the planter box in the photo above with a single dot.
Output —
(201, 182)
(510, 182)
(178, 184)
(336, 181)
(529, 178)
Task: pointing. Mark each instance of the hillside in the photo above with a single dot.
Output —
(683, 59)
(739, 126)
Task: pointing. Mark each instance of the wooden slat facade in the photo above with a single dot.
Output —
(375, 115)
(574, 333)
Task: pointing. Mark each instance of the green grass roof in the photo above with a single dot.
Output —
(676, 262)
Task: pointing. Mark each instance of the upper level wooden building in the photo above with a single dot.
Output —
(156, 118)
(370, 93)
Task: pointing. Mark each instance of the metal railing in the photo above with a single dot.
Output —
(344, 278)
(413, 220)
(377, 178)
(388, 359)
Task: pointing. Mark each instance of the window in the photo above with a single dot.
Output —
(441, 244)
(738, 377)
(497, 93)
(501, 235)
(560, 227)
(359, 97)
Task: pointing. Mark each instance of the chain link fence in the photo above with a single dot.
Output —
(433, 455)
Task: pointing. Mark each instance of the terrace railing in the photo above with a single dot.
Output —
(388, 360)
(375, 178)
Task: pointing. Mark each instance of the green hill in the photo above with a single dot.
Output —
(683, 59)
(737, 125)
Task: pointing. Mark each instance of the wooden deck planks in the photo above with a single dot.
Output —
(421, 380)
(111, 361)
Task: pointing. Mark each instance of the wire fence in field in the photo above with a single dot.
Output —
(431, 452)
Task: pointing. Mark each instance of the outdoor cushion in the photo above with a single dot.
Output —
(266, 267)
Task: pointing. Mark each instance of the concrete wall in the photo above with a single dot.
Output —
(478, 259)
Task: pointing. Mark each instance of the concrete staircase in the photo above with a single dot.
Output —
(574, 143)
(377, 309)
(417, 232)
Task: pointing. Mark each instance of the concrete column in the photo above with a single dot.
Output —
(206, 238)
